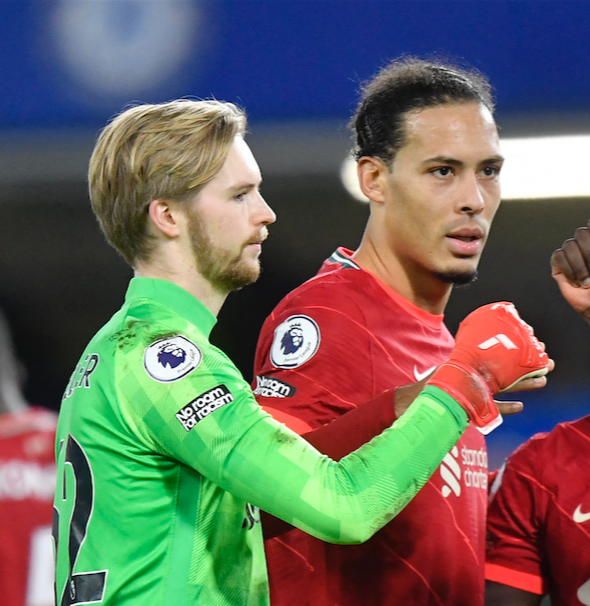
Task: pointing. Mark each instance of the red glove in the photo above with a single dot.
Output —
(494, 350)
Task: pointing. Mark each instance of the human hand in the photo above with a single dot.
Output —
(495, 351)
(570, 267)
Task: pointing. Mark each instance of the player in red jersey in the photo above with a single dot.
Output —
(539, 514)
(372, 320)
(27, 485)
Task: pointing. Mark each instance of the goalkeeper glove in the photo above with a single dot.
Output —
(494, 350)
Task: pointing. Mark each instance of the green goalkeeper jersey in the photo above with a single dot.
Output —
(164, 458)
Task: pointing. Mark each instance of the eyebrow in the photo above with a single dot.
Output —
(245, 185)
(455, 162)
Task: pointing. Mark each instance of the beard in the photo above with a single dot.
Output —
(457, 278)
(224, 269)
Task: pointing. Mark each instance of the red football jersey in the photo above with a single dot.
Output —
(335, 342)
(539, 517)
(27, 486)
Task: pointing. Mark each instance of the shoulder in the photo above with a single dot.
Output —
(578, 430)
(548, 455)
(566, 448)
(525, 458)
(149, 330)
(162, 352)
(566, 437)
(343, 290)
(331, 305)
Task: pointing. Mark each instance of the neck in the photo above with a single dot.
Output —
(184, 273)
(416, 285)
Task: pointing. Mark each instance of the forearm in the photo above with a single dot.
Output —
(357, 427)
(347, 502)
(340, 437)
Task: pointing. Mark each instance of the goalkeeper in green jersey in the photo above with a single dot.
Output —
(164, 456)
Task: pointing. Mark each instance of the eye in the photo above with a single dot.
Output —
(240, 196)
(491, 171)
(442, 171)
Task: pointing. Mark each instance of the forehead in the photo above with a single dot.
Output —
(449, 130)
(240, 166)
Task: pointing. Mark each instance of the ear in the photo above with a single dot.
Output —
(164, 217)
(371, 173)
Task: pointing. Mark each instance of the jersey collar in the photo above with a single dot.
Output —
(343, 256)
(175, 297)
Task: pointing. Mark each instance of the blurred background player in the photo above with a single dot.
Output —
(163, 453)
(539, 513)
(27, 485)
(429, 162)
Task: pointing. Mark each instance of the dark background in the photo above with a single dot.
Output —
(296, 67)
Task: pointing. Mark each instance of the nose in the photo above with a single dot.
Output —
(264, 213)
(471, 199)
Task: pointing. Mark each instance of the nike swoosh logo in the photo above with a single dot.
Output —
(580, 517)
(422, 375)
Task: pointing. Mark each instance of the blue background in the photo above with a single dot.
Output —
(293, 60)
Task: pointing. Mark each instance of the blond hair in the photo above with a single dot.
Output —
(149, 152)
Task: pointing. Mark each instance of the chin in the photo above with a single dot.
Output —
(457, 276)
(239, 276)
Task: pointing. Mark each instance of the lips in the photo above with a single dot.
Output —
(257, 240)
(466, 242)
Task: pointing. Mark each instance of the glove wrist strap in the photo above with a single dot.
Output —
(471, 391)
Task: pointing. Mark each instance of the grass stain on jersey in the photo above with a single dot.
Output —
(131, 333)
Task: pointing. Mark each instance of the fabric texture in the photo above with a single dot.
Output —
(366, 340)
(164, 457)
(539, 517)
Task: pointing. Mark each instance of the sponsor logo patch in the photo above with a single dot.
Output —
(204, 405)
(450, 471)
(467, 467)
(273, 388)
(171, 359)
(295, 342)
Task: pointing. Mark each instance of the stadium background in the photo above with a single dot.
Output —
(66, 66)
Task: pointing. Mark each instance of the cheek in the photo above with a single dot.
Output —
(225, 226)
(493, 194)
(494, 205)
(411, 232)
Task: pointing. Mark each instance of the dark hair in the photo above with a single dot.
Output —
(407, 84)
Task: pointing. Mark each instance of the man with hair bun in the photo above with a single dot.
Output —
(163, 454)
(428, 159)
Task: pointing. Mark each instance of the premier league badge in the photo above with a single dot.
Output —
(295, 342)
(171, 359)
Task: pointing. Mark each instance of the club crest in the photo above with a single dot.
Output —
(295, 342)
(171, 359)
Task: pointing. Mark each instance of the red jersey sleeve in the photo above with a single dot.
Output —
(518, 505)
(311, 359)
(315, 360)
